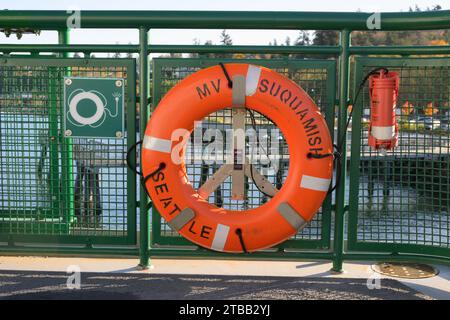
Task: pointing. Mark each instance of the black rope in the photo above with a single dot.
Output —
(338, 147)
(127, 159)
(230, 82)
(336, 164)
(241, 239)
(161, 167)
(144, 180)
(310, 155)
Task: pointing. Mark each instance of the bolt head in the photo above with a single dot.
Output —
(68, 133)
(68, 82)
(119, 134)
(118, 83)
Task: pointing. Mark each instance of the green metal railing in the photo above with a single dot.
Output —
(43, 173)
(400, 201)
(386, 219)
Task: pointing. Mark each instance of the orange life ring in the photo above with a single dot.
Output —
(307, 182)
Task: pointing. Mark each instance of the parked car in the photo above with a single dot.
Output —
(445, 126)
(429, 123)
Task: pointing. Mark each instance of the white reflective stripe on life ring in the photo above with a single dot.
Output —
(315, 183)
(220, 237)
(291, 216)
(86, 120)
(252, 80)
(157, 144)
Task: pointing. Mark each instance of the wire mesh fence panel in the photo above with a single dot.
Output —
(59, 189)
(400, 201)
(270, 157)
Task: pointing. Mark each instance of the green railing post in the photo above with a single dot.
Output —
(67, 150)
(64, 39)
(342, 119)
(143, 97)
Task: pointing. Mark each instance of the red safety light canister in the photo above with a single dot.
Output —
(383, 128)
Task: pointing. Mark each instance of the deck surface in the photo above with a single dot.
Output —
(46, 278)
(52, 285)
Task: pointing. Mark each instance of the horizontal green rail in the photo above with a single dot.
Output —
(169, 48)
(401, 50)
(67, 48)
(53, 20)
(334, 50)
(243, 49)
(71, 251)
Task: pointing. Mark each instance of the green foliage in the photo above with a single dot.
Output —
(326, 38)
(225, 38)
(331, 38)
(402, 38)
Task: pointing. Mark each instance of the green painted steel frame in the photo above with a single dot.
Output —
(144, 222)
(145, 20)
(89, 240)
(51, 20)
(328, 65)
(353, 245)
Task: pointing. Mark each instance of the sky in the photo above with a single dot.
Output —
(187, 36)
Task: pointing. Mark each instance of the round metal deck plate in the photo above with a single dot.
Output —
(405, 270)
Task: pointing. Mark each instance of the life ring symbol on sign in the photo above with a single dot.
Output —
(100, 102)
(187, 210)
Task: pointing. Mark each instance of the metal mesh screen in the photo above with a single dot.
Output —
(403, 197)
(51, 185)
(313, 80)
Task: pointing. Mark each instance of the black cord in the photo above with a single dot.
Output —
(161, 166)
(230, 82)
(337, 164)
(127, 159)
(241, 239)
(310, 155)
(144, 180)
(338, 159)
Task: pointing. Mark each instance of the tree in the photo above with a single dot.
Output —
(326, 38)
(303, 39)
(287, 42)
(225, 38)
(210, 55)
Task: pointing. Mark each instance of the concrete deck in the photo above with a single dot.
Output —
(437, 287)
